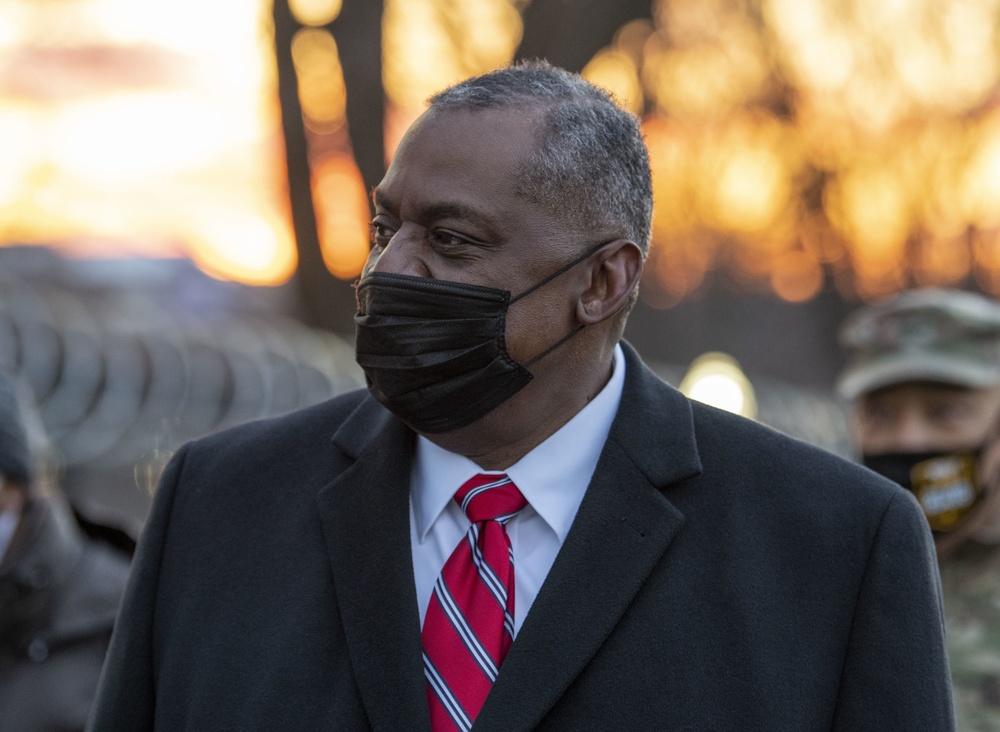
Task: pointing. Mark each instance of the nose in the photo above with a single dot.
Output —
(402, 255)
(913, 433)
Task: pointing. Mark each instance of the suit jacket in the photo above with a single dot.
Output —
(718, 576)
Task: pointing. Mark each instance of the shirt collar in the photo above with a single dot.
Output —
(553, 477)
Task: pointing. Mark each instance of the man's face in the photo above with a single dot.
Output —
(923, 417)
(448, 209)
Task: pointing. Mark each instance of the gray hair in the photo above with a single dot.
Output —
(592, 167)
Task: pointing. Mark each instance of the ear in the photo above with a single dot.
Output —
(614, 275)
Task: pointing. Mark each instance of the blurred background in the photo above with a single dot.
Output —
(183, 192)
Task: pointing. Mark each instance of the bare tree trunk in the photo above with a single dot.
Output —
(569, 32)
(326, 301)
(358, 32)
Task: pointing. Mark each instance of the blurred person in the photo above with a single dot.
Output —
(59, 589)
(923, 380)
(518, 524)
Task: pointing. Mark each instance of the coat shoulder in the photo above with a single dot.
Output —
(731, 443)
(276, 433)
(283, 438)
(286, 454)
(756, 476)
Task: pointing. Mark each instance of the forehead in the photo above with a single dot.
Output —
(923, 416)
(465, 157)
(925, 400)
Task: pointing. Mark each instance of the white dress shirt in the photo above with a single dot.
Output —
(553, 478)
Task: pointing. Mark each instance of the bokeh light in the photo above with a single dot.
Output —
(429, 44)
(243, 247)
(342, 215)
(801, 143)
(616, 72)
(322, 93)
(315, 12)
(716, 379)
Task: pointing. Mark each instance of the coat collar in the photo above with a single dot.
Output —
(655, 425)
(623, 527)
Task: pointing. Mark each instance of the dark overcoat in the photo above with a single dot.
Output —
(718, 576)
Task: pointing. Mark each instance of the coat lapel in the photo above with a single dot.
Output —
(621, 531)
(365, 517)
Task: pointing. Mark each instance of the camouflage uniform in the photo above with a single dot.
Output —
(970, 578)
(951, 337)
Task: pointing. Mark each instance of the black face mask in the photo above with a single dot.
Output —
(945, 484)
(434, 352)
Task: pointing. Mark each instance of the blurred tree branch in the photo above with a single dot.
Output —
(358, 32)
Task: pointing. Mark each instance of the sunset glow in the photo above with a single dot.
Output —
(128, 129)
(881, 168)
(795, 144)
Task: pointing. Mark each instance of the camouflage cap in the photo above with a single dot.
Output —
(947, 336)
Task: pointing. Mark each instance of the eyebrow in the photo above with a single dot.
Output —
(441, 210)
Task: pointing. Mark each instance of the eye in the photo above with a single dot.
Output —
(951, 411)
(380, 232)
(875, 412)
(452, 244)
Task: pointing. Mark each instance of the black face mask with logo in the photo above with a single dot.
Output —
(434, 352)
(945, 483)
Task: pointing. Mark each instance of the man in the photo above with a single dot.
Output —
(640, 561)
(59, 592)
(924, 384)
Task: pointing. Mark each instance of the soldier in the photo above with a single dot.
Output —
(923, 381)
(59, 592)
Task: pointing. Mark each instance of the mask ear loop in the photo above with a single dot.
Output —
(555, 345)
(562, 270)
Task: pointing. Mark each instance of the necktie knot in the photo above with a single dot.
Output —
(490, 498)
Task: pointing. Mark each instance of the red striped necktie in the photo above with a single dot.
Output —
(469, 625)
